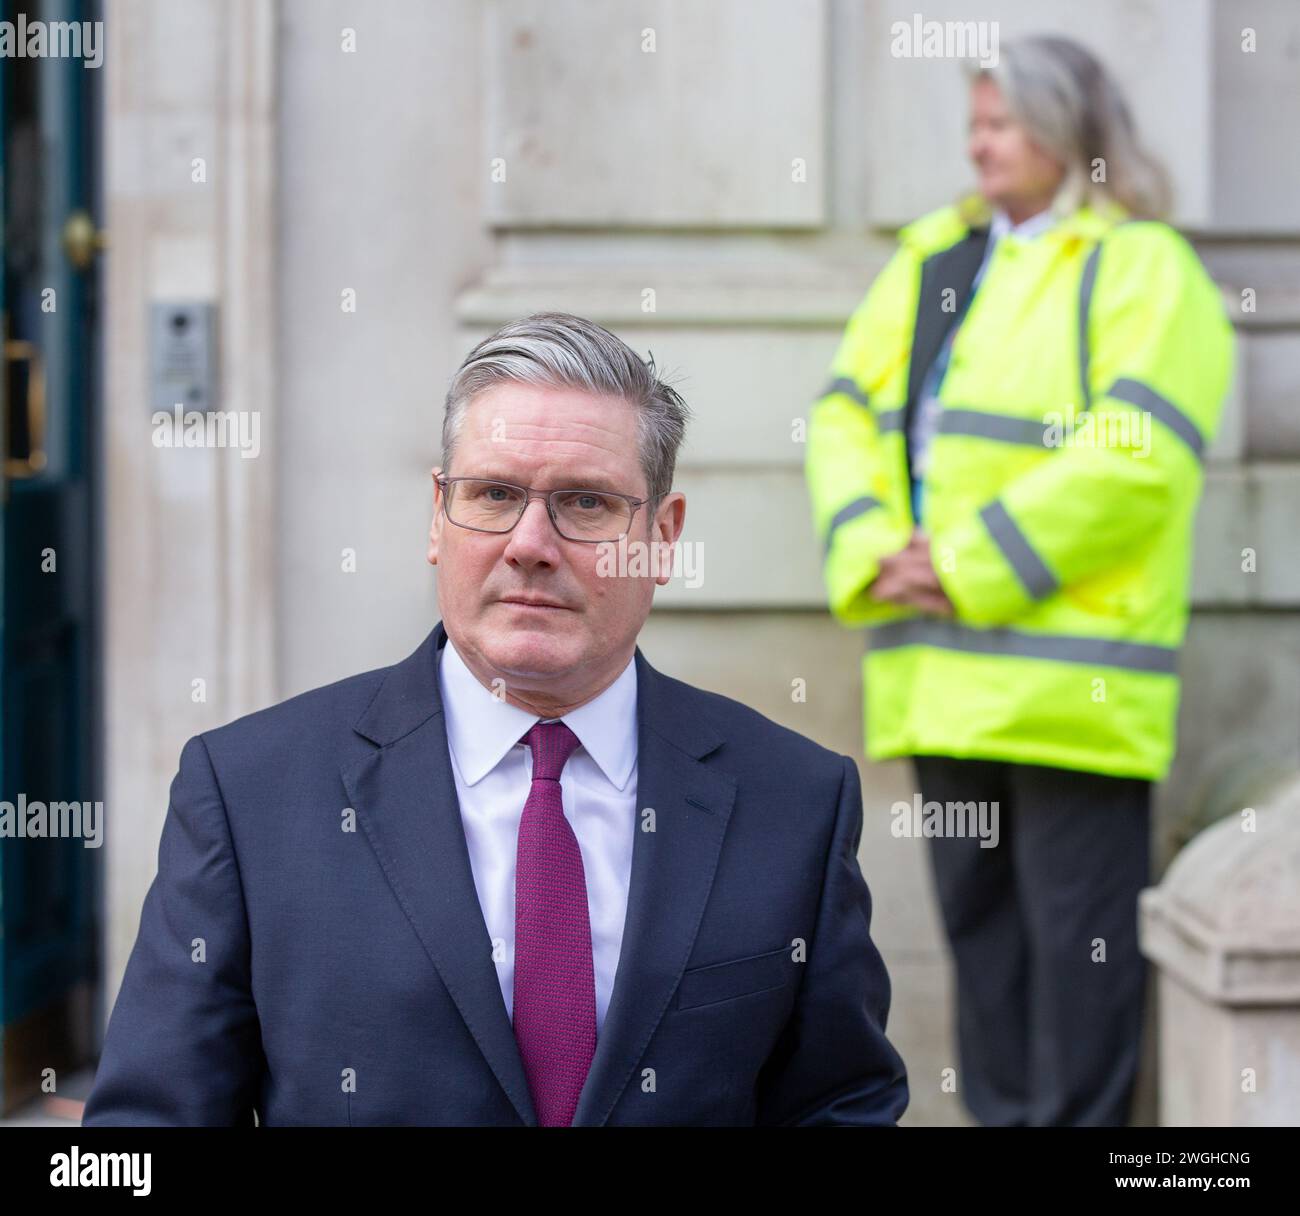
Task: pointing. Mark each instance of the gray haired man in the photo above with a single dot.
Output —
(581, 892)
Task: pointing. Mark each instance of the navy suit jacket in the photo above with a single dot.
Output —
(320, 975)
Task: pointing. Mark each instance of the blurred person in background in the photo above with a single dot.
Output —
(1004, 471)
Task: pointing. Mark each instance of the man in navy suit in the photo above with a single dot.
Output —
(520, 877)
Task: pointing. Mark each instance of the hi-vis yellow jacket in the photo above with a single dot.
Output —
(1060, 489)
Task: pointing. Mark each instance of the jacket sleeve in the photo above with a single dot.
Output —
(845, 465)
(1161, 359)
(833, 1064)
(183, 1045)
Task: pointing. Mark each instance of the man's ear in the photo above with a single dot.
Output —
(667, 527)
(435, 525)
(670, 518)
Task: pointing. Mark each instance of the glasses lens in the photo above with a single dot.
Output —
(491, 506)
(591, 515)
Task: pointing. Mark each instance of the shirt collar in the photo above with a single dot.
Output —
(481, 728)
(1001, 225)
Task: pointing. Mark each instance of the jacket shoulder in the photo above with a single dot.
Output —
(319, 713)
(1153, 242)
(1148, 258)
(941, 228)
(762, 740)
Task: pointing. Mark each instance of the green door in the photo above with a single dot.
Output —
(48, 580)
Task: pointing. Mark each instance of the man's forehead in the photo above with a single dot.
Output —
(555, 434)
(548, 407)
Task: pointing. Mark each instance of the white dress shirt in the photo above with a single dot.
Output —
(494, 773)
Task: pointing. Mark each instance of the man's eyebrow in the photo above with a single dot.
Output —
(593, 481)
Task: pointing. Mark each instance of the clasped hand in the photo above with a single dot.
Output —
(907, 577)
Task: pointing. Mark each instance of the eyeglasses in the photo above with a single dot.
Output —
(588, 516)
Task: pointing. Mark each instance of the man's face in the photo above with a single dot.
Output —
(528, 606)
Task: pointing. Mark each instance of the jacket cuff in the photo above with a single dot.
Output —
(988, 569)
(852, 563)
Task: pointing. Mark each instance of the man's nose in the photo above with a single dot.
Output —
(533, 538)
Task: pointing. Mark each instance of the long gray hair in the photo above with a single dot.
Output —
(1073, 109)
(560, 350)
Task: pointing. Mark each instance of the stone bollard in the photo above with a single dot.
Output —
(1224, 930)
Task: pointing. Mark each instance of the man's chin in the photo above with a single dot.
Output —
(541, 649)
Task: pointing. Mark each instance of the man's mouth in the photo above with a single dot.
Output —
(521, 601)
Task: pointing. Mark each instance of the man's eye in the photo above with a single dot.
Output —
(583, 503)
(488, 492)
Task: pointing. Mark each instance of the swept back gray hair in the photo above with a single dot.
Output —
(1073, 109)
(559, 350)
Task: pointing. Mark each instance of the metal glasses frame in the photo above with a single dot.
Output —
(635, 504)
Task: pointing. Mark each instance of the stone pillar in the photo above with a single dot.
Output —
(189, 173)
(1224, 930)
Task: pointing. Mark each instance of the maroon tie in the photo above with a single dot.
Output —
(555, 985)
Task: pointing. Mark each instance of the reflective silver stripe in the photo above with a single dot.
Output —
(1031, 569)
(1085, 304)
(859, 506)
(1145, 398)
(848, 387)
(890, 420)
(1101, 652)
(986, 425)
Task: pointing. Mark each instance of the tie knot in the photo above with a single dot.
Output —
(552, 744)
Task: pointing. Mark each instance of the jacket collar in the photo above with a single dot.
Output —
(483, 729)
(410, 695)
(404, 796)
(941, 229)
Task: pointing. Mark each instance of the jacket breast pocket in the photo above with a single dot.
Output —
(737, 977)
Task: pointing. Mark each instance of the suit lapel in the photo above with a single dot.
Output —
(404, 796)
(672, 874)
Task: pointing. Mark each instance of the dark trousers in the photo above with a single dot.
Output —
(1047, 1034)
